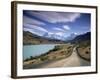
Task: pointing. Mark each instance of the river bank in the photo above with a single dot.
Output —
(72, 61)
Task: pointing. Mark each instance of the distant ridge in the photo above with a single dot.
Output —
(30, 38)
(82, 37)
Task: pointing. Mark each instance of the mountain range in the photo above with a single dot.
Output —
(82, 38)
(59, 37)
(30, 38)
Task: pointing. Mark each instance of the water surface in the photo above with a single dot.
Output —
(35, 50)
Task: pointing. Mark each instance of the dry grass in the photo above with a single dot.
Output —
(85, 52)
(59, 52)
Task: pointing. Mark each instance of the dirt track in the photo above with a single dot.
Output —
(72, 61)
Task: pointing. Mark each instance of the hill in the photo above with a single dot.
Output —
(30, 38)
(81, 38)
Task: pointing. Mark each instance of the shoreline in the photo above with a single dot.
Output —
(74, 60)
(57, 53)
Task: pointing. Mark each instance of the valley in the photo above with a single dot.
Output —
(62, 54)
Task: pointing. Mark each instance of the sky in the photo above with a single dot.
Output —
(57, 23)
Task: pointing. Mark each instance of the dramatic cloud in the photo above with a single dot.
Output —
(75, 33)
(54, 17)
(58, 29)
(35, 29)
(66, 27)
(27, 20)
(59, 33)
(40, 28)
(31, 30)
(56, 24)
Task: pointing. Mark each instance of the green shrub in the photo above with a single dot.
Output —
(27, 59)
(43, 58)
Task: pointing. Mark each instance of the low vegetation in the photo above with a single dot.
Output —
(84, 50)
(59, 52)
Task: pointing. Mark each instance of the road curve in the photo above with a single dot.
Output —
(73, 61)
